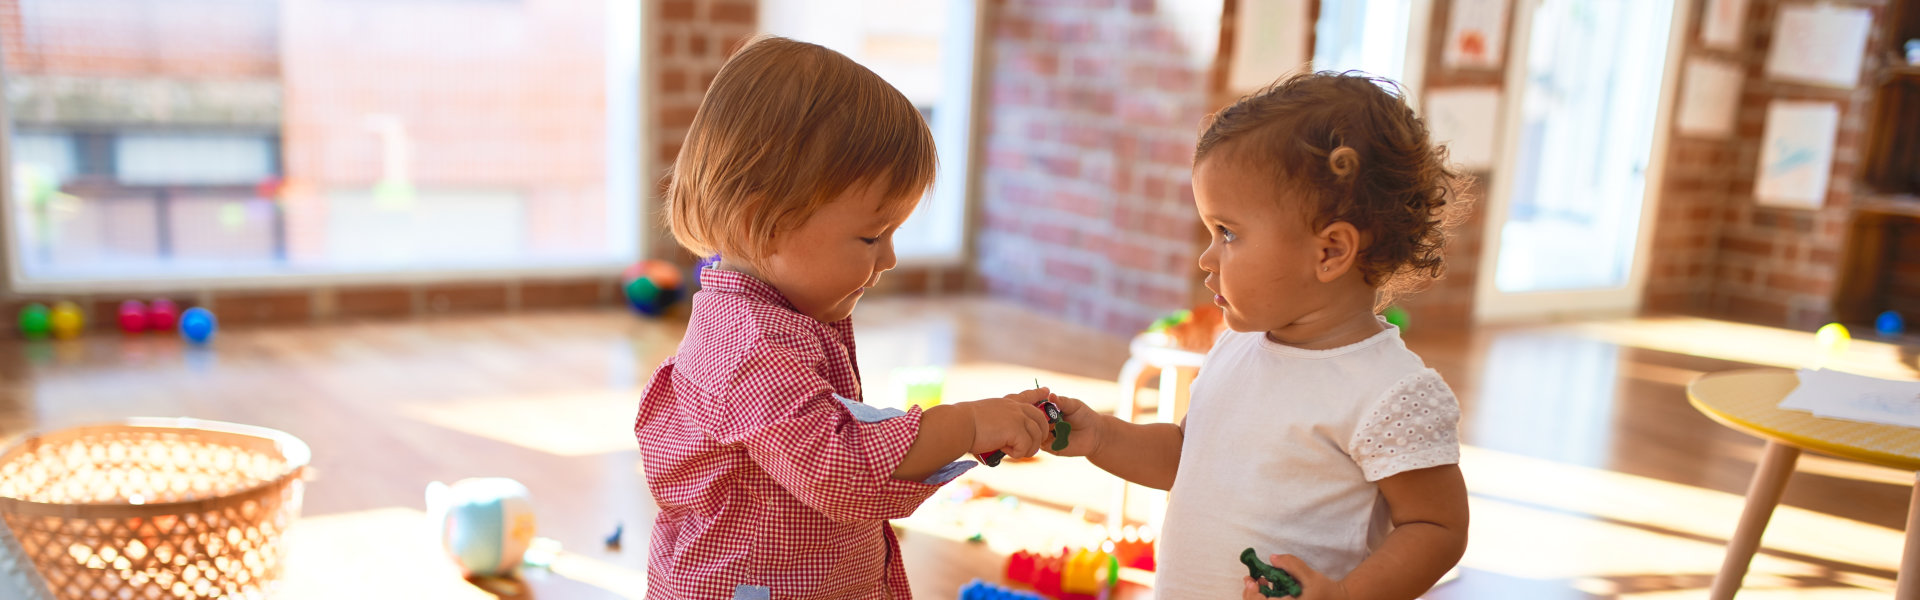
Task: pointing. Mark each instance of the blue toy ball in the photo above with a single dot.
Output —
(1890, 323)
(197, 325)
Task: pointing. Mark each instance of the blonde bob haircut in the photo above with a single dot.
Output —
(785, 128)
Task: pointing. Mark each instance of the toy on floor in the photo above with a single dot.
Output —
(613, 539)
(1278, 583)
(67, 320)
(485, 524)
(35, 321)
(162, 314)
(133, 316)
(981, 590)
(1890, 323)
(651, 286)
(197, 325)
(1133, 548)
(1072, 575)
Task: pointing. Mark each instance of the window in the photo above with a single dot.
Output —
(217, 139)
(1373, 36)
(926, 49)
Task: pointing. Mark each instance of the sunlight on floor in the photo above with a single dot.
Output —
(1771, 346)
(1612, 527)
(389, 553)
(562, 424)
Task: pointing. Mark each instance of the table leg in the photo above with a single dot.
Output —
(1769, 482)
(1908, 586)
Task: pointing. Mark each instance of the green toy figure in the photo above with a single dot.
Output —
(1278, 582)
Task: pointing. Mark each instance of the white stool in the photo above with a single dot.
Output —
(1152, 353)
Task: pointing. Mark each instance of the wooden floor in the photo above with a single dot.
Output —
(1591, 475)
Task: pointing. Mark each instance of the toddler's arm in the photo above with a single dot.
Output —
(1146, 454)
(949, 431)
(1429, 512)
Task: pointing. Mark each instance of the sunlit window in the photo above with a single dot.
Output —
(209, 139)
(926, 49)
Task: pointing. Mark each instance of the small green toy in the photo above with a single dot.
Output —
(1397, 316)
(1279, 583)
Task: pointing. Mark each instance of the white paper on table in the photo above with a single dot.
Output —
(1710, 99)
(1820, 45)
(1836, 395)
(1476, 34)
(1270, 42)
(1724, 20)
(1796, 154)
(1465, 119)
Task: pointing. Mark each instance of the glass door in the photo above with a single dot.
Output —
(1567, 215)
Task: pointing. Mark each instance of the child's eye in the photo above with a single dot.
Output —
(870, 240)
(1225, 234)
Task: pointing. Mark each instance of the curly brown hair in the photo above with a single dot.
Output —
(1358, 154)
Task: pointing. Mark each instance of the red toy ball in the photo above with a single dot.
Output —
(162, 315)
(133, 316)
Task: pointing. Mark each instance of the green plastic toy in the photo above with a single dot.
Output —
(35, 321)
(1278, 582)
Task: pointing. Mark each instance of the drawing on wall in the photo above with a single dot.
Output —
(1796, 156)
(1476, 34)
(1465, 120)
(1722, 24)
(1710, 98)
(1819, 45)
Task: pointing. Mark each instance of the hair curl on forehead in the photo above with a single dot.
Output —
(1348, 144)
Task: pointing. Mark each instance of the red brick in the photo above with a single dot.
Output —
(234, 308)
(676, 10)
(466, 297)
(742, 13)
(1069, 272)
(381, 301)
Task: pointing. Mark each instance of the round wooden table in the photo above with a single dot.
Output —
(1748, 400)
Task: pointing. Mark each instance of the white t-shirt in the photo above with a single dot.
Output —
(1282, 449)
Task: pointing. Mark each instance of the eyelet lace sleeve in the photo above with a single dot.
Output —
(1414, 425)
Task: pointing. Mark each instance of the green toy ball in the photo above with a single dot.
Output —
(35, 321)
(1397, 316)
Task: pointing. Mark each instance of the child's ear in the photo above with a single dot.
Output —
(1339, 249)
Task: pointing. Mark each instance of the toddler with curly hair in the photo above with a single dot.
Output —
(1314, 435)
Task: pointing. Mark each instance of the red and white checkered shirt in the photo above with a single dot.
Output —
(763, 476)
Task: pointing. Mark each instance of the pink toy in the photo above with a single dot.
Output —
(133, 316)
(162, 315)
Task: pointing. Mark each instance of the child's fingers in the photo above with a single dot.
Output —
(1250, 589)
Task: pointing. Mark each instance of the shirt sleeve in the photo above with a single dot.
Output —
(1414, 425)
(796, 429)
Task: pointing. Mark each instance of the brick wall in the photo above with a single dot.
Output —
(1448, 302)
(1086, 201)
(1716, 250)
(141, 38)
(690, 40)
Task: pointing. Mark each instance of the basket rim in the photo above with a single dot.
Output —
(295, 451)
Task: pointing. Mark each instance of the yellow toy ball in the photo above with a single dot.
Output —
(66, 320)
(1831, 341)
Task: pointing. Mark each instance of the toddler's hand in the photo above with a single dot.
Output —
(1010, 424)
(1085, 438)
(1313, 585)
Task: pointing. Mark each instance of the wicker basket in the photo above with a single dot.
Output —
(154, 508)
